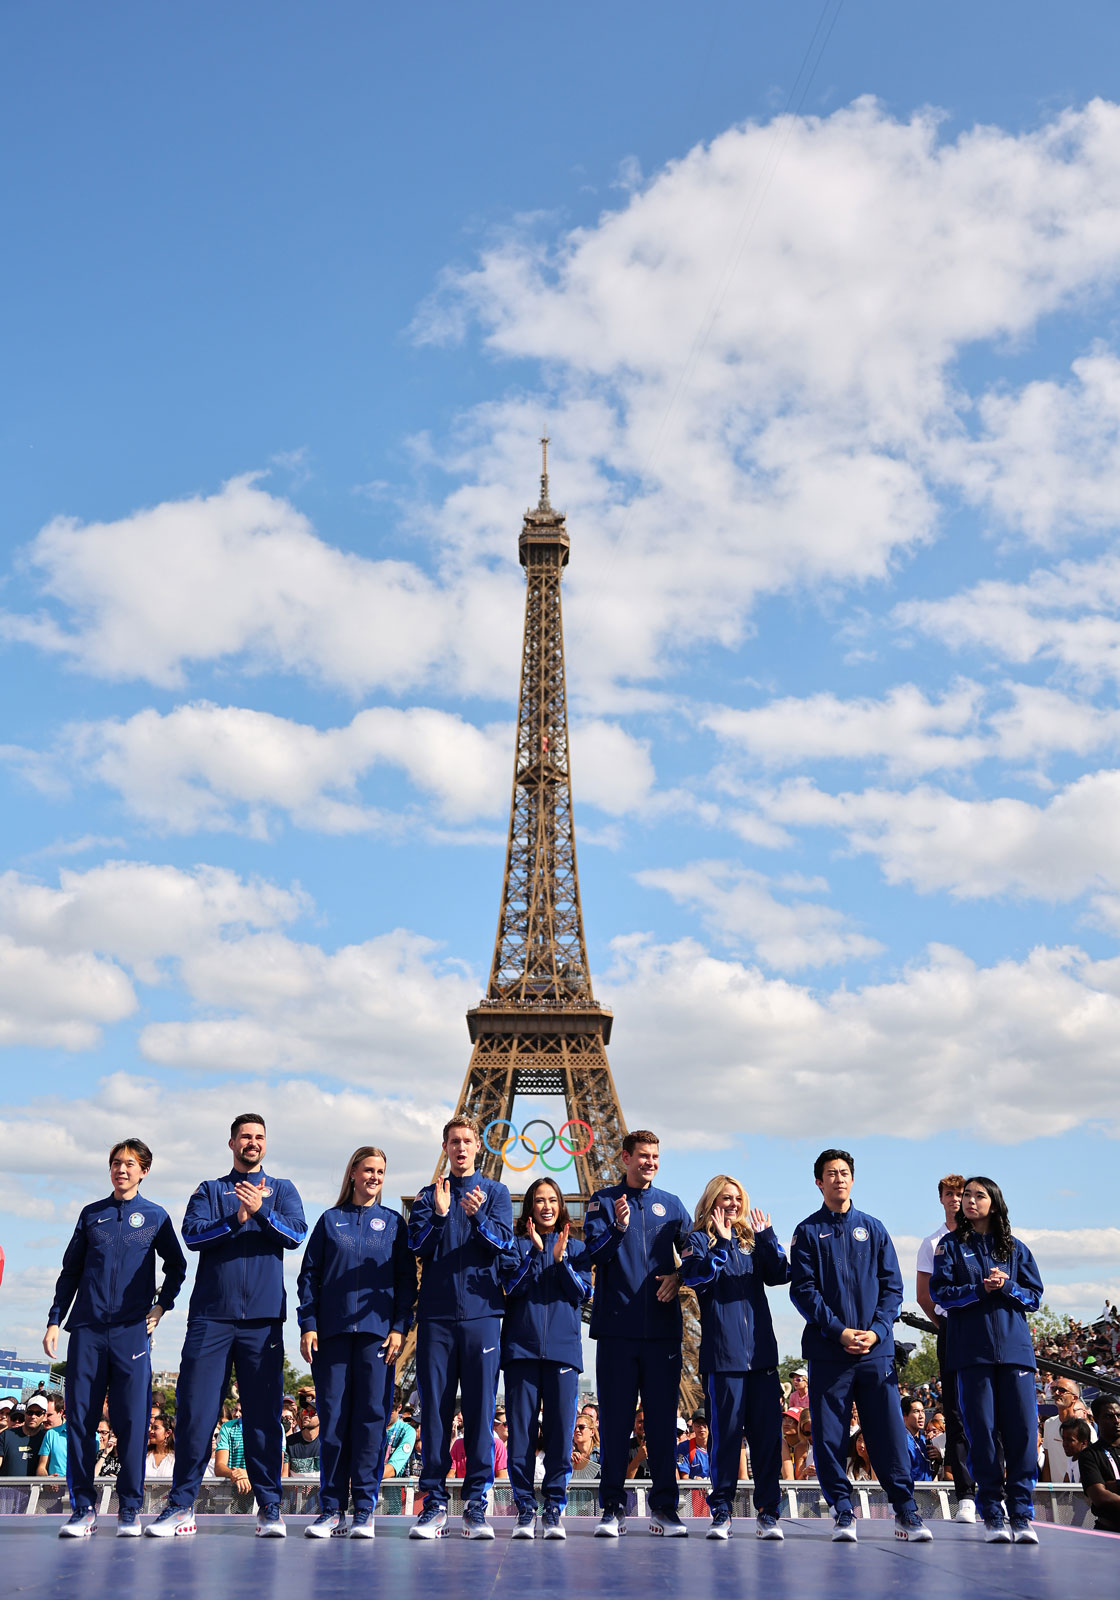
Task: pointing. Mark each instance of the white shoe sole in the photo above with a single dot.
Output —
(486, 1532)
(554, 1533)
(130, 1530)
(844, 1536)
(769, 1533)
(272, 1530)
(523, 1533)
(366, 1531)
(722, 1532)
(183, 1531)
(602, 1532)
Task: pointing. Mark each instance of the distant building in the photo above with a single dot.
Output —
(18, 1378)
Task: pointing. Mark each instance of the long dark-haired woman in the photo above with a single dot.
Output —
(731, 1255)
(547, 1278)
(357, 1285)
(987, 1281)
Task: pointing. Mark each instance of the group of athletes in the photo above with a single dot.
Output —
(499, 1297)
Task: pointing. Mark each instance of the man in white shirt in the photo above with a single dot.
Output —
(1065, 1394)
(949, 1191)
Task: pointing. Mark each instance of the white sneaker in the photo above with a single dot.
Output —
(270, 1524)
(966, 1511)
(79, 1525)
(172, 1524)
(611, 1525)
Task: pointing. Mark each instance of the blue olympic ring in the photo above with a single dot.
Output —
(538, 1152)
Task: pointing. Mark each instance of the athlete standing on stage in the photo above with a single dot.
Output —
(240, 1225)
(731, 1255)
(546, 1282)
(634, 1234)
(109, 1275)
(987, 1281)
(356, 1290)
(846, 1284)
(460, 1227)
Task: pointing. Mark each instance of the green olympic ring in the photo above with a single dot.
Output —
(538, 1152)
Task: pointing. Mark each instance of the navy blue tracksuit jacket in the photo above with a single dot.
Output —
(844, 1274)
(639, 1337)
(108, 1284)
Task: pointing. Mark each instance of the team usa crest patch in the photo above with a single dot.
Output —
(377, 1224)
(136, 1220)
(657, 1208)
(860, 1234)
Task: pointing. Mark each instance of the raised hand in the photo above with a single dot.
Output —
(759, 1219)
(720, 1224)
(622, 1213)
(560, 1244)
(441, 1196)
(534, 1237)
(474, 1201)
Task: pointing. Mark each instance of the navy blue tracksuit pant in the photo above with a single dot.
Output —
(625, 1368)
(115, 1362)
(254, 1349)
(452, 1356)
(871, 1382)
(749, 1402)
(1000, 1405)
(552, 1390)
(354, 1391)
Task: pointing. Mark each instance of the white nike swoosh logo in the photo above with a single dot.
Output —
(565, 1369)
(272, 1346)
(488, 1349)
(137, 1357)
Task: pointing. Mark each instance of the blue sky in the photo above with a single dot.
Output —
(818, 304)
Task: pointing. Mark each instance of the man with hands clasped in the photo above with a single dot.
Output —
(109, 1276)
(847, 1285)
(461, 1228)
(634, 1235)
(240, 1224)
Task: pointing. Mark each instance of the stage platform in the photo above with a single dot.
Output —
(225, 1558)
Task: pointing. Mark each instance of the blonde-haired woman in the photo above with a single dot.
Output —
(357, 1285)
(731, 1255)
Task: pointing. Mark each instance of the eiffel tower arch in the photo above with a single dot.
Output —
(539, 1031)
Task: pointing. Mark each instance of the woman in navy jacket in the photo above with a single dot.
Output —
(547, 1277)
(731, 1255)
(987, 1282)
(357, 1285)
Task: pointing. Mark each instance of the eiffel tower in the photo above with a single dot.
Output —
(539, 1031)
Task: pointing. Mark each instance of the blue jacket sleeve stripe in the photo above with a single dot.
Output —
(578, 1280)
(195, 1238)
(283, 1227)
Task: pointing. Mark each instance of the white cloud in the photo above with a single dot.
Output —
(1068, 614)
(1057, 1248)
(906, 731)
(767, 1056)
(261, 1001)
(204, 766)
(1047, 461)
(782, 396)
(739, 904)
(972, 848)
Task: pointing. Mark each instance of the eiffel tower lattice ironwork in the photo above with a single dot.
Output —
(538, 1030)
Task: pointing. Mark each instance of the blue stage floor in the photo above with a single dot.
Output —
(224, 1558)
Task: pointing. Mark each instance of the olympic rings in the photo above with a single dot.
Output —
(538, 1152)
